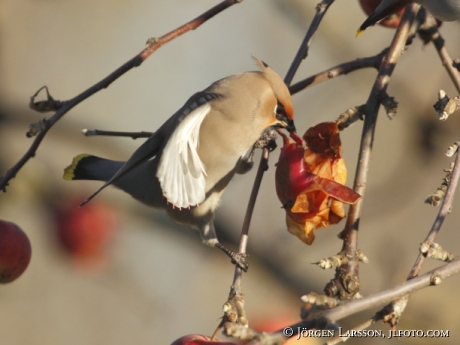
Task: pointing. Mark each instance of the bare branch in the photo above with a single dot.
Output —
(136, 61)
(235, 290)
(446, 106)
(430, 32)
(436, 198)
(389, 104)
(233, 309)
(443, 211)
(339, 260)
(132, 135)
(384, 297)
(346, 283)
(336, 71)
(302, 53)
(350, 116)
(393, 311)
(435, 251)
(36, 128)
(327, 318)
(263, 166)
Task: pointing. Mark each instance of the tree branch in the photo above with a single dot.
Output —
(153, 45)
(430, 32)
(233, 308)
(384, 297)
(263, 166)
(346, 282)
(132, 135)
(327, 319)
(336, 71)
(302, 53)
(443, 211)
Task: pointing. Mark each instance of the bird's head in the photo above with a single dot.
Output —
(284, 110)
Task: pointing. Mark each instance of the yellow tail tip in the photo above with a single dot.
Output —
(69, 172)
(359, 32)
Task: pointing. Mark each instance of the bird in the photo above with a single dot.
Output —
(445, 10)
(185, 166)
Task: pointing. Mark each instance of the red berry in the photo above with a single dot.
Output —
(15, 251)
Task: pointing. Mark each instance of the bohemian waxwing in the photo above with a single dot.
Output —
(197, 150)
(446, 10)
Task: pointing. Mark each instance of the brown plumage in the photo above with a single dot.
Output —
(185, 166)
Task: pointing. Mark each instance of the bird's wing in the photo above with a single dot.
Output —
(181, 172)
(182, 175)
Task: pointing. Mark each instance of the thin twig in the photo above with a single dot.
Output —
(136, 61)
(236, 296)
(350, 233)
(391, 313)
(263, 166)
(191, 25)
(132, 135)
(234, 307)
(336, 71)
(443, 211)
(384, 297)
(443, 53)
(431, 33)
(302, 53)
(328, 318)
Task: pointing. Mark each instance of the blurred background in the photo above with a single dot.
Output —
(116, 272)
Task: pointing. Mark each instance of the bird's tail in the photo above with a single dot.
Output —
(88, 167)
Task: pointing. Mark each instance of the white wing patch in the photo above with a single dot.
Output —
(181, 172)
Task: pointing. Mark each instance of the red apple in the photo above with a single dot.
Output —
(310, 181)
(198, 339)
(392, 21)
(15, 251)
(86, 232)
(291, 176)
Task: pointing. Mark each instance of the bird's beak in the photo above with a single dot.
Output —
(288, 124)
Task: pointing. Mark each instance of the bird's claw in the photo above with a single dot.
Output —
(239, 259)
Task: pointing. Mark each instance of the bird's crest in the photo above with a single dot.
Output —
(279, 87)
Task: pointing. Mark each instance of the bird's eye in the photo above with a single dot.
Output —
(279, 110)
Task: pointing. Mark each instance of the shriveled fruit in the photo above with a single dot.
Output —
(310, 182)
